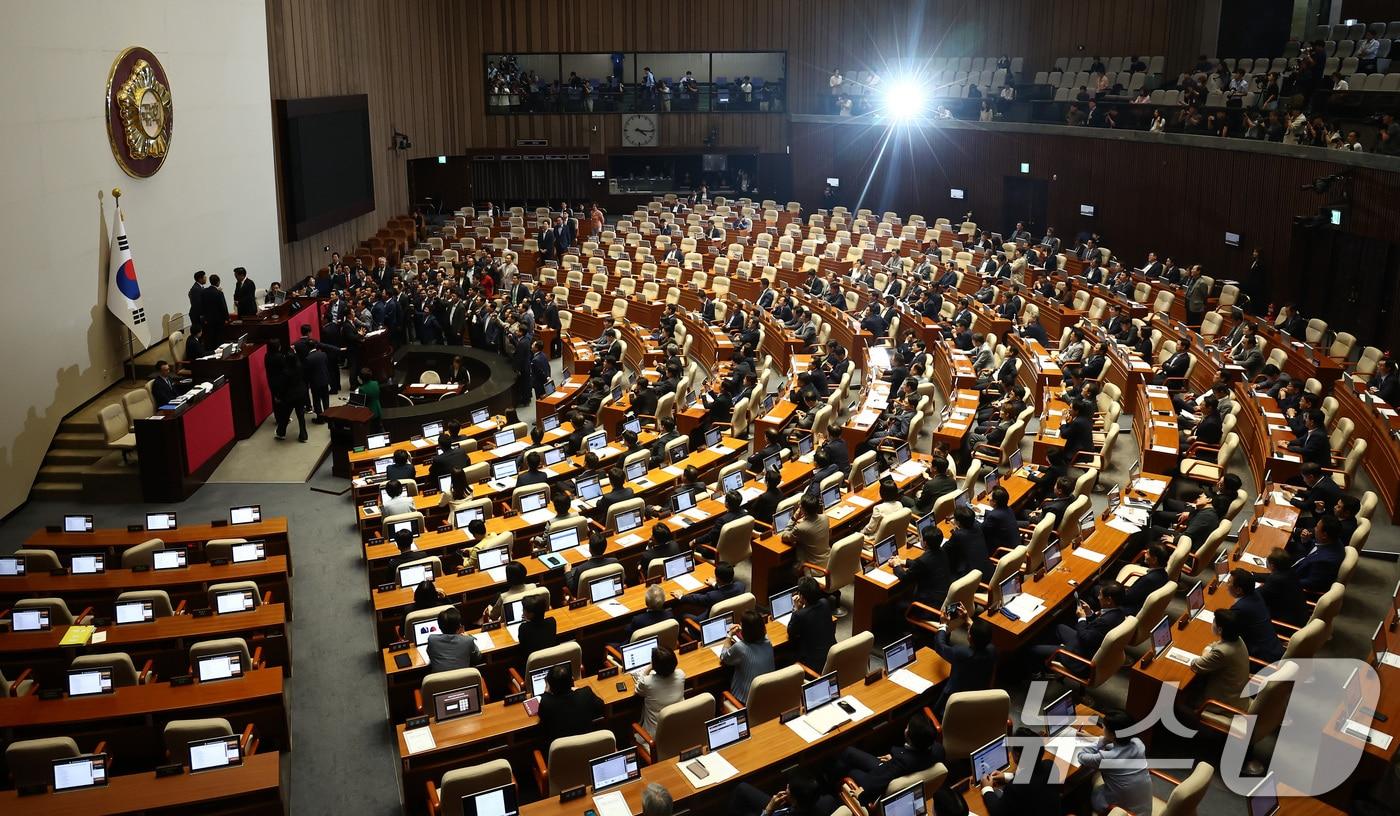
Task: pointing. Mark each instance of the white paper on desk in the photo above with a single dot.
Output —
(910, 469)
(840, 511)
(723, 449)
(1026, 607)
(484, 641)
(1380, 739)
(1390, 659)
(537, 516)
(1205, 615)
(1278, 497)
(417, 740)
(696, 514)
(1123, 525)
(612, 803)
(1180, 655)
(860, 501)
(1274, 415)
(689, 583)
(98, 637)
(748, 494)
(1387, 412)
(1280, 428)
(865, 418)
(1149, 485)
(498, 574)
(1277, 524)
(629, 539)
(911, 681)
(717, 767)
(861, 709)
(1254, 560)
(614, 608)
(581, 551)
(423, 652)
(881, 576)
(421, 443)
(717, 648)
(513, 629)
(1288, 457)
(800, 727)
(1067, 745)
(1163, 449)
(1087, 555)
(672, 470)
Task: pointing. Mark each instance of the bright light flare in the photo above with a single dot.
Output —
(905, 98)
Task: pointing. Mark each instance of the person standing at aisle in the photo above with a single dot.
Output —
(288, 387)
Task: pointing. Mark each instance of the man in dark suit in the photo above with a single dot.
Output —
(1386, 383)
(724, 586)
(929, 573)
(1313, 445)
(999, 527)
(617, 478)
(1319, 555)
(597, 557)
(546, 242)
(163, 385)
(1078, 432)
(449, 457)
(1090, 627)
(812, 629)
(1032, 330)
(967, 549)
(873, 774)
(196, 310)
(1319, 494)
(1172, 368)
(1153, 267)
(1282, 593)
(244, 293)
(1061, 495)
(564, 710)
(1149, 582)
(763, 507)
(802, 796)
(1252, 614)
(972, 665)
(533, 474)
(215, 311)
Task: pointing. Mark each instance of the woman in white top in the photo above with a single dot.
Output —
(1159, 123)
(659, 685)
(889, 504)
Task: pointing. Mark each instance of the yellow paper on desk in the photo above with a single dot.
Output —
(77, 636)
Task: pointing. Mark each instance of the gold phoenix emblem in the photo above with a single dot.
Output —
(145, 108)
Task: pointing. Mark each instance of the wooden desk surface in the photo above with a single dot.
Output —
(113, 538)
(259, 776)
(769, 745)
(114, 581)
(29, 711)
(174, 627)
(364, 459)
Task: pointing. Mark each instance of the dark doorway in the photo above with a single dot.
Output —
(1347, 280)
(1025, 200)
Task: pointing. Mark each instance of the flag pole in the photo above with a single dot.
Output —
(130, 362)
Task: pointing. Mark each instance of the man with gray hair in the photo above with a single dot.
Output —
(656, 801)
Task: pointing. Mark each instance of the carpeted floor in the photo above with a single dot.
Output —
(263, 458)
(342, 759)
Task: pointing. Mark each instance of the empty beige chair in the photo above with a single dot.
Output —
(123, 669)
(567, 765)
(115, 432)
(737, 605)
(31, 761)
(17, 687)
(429, 377)
(1154, 606)
(679, 726)
(438, 682)
(667, 634)
(1005, 566)
(250, 587)
(972, 719)
(849, 658)
(445, 798)
(770, 694)
(221, 549)
(735, 541)
(178, 734)
(538, 659)
(59, 614)
(932, 778)
(38, 560)
(618, 508)
(1093, 672)
(143, 554)
(161, 606)
(138, 405)
(220, 646)
(1186, 794)
(841, 566)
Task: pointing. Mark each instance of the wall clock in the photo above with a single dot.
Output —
(639, 130)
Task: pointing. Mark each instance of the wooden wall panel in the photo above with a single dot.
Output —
(422, 62)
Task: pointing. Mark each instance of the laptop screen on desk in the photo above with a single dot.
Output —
(480, 415)
(732, 481)
(713, 436)
(216, 752)
(907, 802)
(29, 620)
(819, 692)
(727, 730)
(219, 667)
(884, 550)
(549, 423)
(423, 629)
(431, 430)
(85, 771)
(637, 654)
(500, 801)
(553, 456)
(378, 440)
(1010, 588)
(503, 469)
(503, 438)
(782, 519)
(11, 567)
(411, 575)
(605, 588)
(83, 682)
(589, 488)
(77, 524)
(678, 565)
(614, 769)
(1014, 463)
(466, 516)
(539, 678)
(990, 758)
(870, 474)
(595, 441)
(533, 501)
(899, 654)
(493, 557)
(629, 520)
(88, 564)
(458, 702)
(234, 600)
(682, 500)
(135, 612)
(160, 521)
(168, 559)
(713, 630)
(780, 604)
(636, 469)
(831, 497)
(1196, 599)
(1059, 714)
(252, 551)
(381, 466)
(560, 540)
(1162, 634)
(632, 424)
(245, 515)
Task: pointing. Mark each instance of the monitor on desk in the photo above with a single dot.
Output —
(215, 752)
(614, 769)
(682, 500)
(411, 575)
(84, 682)
(431, 430)
(989, 759)
(503, 437)
(77, 524)
(493, 557)
(549, 423)
(963, 500)
(1059, 714)
(531, 502)
(539, 678)
(248, 514)
(907, 802)
(11, 567)
(357, 400)
(378, 440)
(884, 550)
(632, 423)
(637, 654)
(805, 443)
(219, 667)
(1263, 799)
(925, 521)
(589, 487)
(1016, 460)
(727, 730)
(134, 612)
(465, 516)
(899, 654)
(1162, 635)
(595, 441)
(500, 801)
(381, 465)
(156, 522)
(1010, 588)
(251, 551)
(605, 588)
(713, 630)
(993, 479)
(88, 564)
(1051, 555)
(458, 702)
(731, 481)
(480, 415)
(678, 565)
(168, 559)
(831, 497)
(424, 629)
(817, 693)
(713, 436)
(30, 620)
(783, 518)
(413, 525)
(678, 453)
(234, 600)
(565, 539)
(627, 520)
(503, 469)
(553, 455)
(902, 454)
(870, 474)
(780, 604)
(73, 773)
(1196, 599)
(514, 611)
(635, 469)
